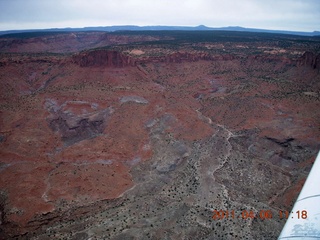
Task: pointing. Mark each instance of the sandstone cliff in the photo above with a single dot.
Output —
(310, 59)
(114, 58)
(106, 58)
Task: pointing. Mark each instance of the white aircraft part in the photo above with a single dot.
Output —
(306, 226)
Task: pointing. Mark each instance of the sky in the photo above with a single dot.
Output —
(293, 15)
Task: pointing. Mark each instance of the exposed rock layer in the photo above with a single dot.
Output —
(111, 58)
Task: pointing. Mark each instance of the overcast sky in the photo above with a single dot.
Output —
(297, 15)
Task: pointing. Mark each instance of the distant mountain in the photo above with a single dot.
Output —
(241, 29)
(162, 28)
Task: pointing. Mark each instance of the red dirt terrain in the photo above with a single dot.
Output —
(142, 135)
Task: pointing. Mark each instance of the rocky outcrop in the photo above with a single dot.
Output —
(309, 59)
(98, 58)
(74, 126)
(135, 99)
(112, 58)
(82, 129)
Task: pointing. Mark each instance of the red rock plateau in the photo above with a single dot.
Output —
(141, 135)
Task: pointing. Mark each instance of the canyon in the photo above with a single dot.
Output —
(142, 135)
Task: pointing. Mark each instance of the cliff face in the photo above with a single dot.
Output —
(113, 58)
(103, 58)
(309, 59)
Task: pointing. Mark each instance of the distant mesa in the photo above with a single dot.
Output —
(159, 28)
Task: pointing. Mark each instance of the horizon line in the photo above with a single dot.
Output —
(169, 26)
